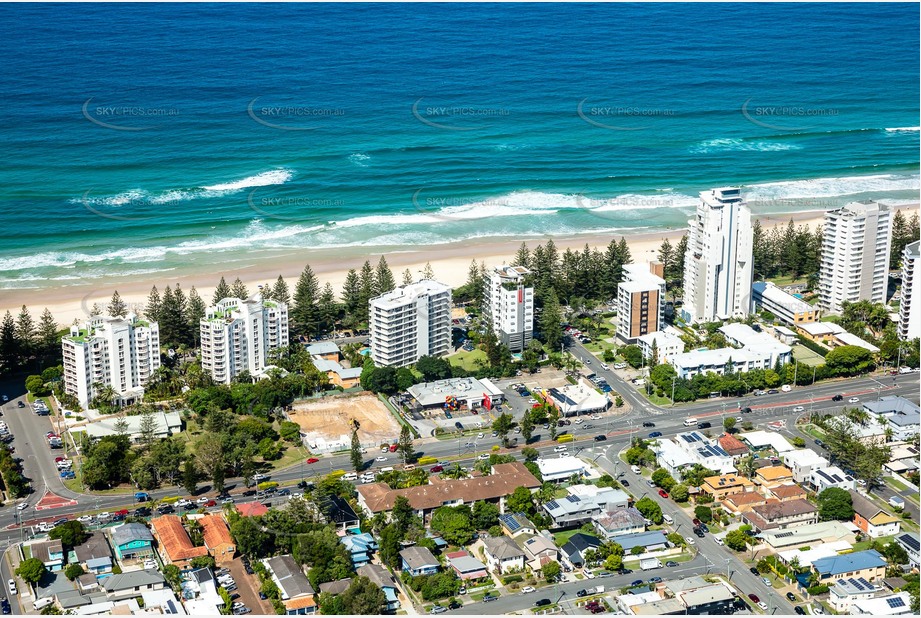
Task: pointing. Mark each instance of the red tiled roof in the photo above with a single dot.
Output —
(252, 509)
(215, 531)
(732, 445)
(174, 540)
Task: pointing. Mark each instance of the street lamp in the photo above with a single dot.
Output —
(674, 377)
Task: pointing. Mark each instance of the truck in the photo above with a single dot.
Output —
(648, 564)
(141, 496)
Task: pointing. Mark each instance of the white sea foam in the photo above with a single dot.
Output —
(831, 187)
(903, 129)
(360, 159)
(733, 144)
(141, 196)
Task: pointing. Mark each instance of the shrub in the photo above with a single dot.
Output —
(820, 589)
(512, 579)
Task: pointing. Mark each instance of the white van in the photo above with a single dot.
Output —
(349, 476)
(636, 469)
(387, 469)
(43, 602)
(667, 518)
(690, 422)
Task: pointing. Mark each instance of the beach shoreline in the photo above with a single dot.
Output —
(450, 263)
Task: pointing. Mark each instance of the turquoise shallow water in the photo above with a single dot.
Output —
(144, 138)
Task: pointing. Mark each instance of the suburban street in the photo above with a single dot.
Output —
(619, 428)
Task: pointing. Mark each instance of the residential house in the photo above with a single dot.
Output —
(501, 483)
(719, 487)
(325, 350)
(700, 597)
(802, 462)
(51, 553)
(785, 493)
(203, 585)
(466, 566)
(296, 591)
(419, 560)
(336, 587)
(132, 584)
(898, 604)
(618, 522)
(762, 440)
(174, 542)
(652, 540)
(539, 550)
(381, 577)
(672, 457)
(872, 520)
(743, 501)
(845, 592)
(821, 479)
(217, 538)
(909, 542)
(94, 554)
(132, 540)
(732, 445)
(868, 564)
(775, 514)
(808, 554)
(779, 539)
(772, 476)
(574, 550)
(252, 509)
(516, 524)
(583, 503)
(503, 555)
(335, 510)
(903, 459)
(87, 583)
(704, 451)
(901, 415)
(360, 547)
(560, 469)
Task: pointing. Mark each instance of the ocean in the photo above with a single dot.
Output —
(146, 139)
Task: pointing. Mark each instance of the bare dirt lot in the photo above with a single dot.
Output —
(327, 423)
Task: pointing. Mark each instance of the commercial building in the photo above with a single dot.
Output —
(410, 322)
(576, 399)
(562, 468)
(174, 543)
(640, 303)
(237, 334)
(110, 352)
(165, 424)
(745, 337)
(667, 343)
(466, 393)
(910, 302)
(785, 307)
(508, 305)
(718, 261)
(855, 255)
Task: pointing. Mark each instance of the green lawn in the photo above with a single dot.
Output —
(813, 431)
(806, 356)
(782, 281)
(561, 538)
(897, 484)
(655, 399)
(862, 545)
(467, 360)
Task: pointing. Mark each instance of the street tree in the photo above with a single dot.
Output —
(355, 452)
(502, 425)
(31, 570)
(405, 445)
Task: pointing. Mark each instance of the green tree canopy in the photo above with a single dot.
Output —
(835, 503)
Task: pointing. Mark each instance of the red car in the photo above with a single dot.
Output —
(123, 512)
(393, 448)
(754, 598)
(663, 493)
(59, 459)
(312, 460)
(696, 521)
(211, 503)
(437, 469)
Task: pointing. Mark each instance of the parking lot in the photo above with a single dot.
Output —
(248, 588)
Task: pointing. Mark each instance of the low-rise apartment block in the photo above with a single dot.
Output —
(785, 307)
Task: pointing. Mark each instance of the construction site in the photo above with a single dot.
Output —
(326, 424)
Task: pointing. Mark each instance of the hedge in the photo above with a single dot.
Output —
(820, 589)
(812, 345)
(512, 579)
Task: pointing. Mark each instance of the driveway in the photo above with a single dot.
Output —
(248, 588)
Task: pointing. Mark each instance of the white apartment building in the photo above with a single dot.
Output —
(910, 303)
(668, 344)
(786, 307)
(640, 302)
(410, 322)
(237, 334)
(855, 255)
(689, 364)
(509, 305)
(121, 353)
(718, 262)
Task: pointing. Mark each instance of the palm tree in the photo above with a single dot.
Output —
(747, 466)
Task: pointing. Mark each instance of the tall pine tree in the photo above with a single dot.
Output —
(280, 291)
(368, 290)
(117, 307)
(305, 315)
(384, 277)
(351, 294)
(25, 333)
(522, 257)
(407, 277)
(195, 311)
(9, 344)
(221, 292)
(49, 343)
(238, 289)
(328, 308)
(154, 303)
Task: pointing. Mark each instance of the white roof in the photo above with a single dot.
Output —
(759, 439)
(883, 606)
(821, 328)
(804, 457)
(752, 340)
(851, 339)
(775, 294)
(409, 293)
(671, 454)
(783, 330)
(557, 466)
(663, 339)
(574, 398)
(825, 550)
(165, 422)
(713, 358)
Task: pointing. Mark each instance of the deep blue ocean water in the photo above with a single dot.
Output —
(142, 138)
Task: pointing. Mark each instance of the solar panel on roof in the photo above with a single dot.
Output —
(553, 504)
(865, 582)
(572, 498)
(855, 583)
(783, 535)
(911, 541)
(895, 602)
(510, 522)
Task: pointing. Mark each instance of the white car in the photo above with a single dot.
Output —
(482, 457)
(527, 589)
(762, 605)
(83, 519)
(596, 417)
(854, 400)
(259, 477)
(479, 436)
(102, 516)
(799, 409)
(150, 564)
(690, 540)
(12, 586)
(578, 421)
(22, 506)
(720, 541)
(203, 500)
(786, 388)
(380, 459)
(559, 449)
(620, 366)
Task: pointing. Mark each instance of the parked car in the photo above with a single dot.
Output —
(489, 597)
(542, 603)
(655, 580)
(754, 598)
(655, 434)
(792, 597)
(671, 563)
(527, 589)
(312, 460)
(663, 493)
(799, 610)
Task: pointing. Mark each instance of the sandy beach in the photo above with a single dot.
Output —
(450, 263)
